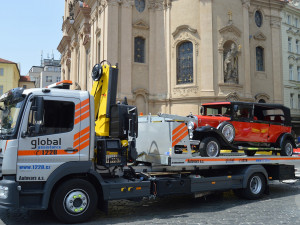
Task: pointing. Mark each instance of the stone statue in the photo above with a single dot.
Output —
(231, 65)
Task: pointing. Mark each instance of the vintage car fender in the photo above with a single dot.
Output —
(208, 131)
(284, 137)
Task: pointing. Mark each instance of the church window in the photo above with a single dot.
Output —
(258, 18)
(185, 63)
(139, 49)
(259, 59)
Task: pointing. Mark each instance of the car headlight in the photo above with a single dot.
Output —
(190, 125)
(3, 192)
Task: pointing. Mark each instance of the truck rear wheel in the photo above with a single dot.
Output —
(286, 148)
(209, 147)
(74, 201)
(256, 186)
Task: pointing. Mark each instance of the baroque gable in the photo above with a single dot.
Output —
(140, 24)
(231, 28)
(259, 36)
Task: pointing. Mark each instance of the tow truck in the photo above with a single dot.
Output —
(73, 151)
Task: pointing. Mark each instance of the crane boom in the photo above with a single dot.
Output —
(104, 91)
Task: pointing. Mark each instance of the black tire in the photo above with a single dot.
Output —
(286, 148)
(228, 131)
(256, 186)
(250, 153)
(209, 147)
(74, 201)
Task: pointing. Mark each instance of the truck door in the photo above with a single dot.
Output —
(46, 144)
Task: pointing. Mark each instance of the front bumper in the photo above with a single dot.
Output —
(12, 200)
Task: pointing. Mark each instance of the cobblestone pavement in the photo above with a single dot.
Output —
(281, 206)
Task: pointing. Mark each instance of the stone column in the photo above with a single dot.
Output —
(206, 49)
(246, 48)
(276, 59)
(152, 61)
(111, 27)
(125, 63)
(168, 52)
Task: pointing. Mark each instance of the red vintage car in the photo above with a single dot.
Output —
(242, 126)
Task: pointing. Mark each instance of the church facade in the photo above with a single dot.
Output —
(175, 55)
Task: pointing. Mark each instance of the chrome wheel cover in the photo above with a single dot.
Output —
(76, 202)
(228, 132)
(255, 185)
(212, 149)
(288, 148)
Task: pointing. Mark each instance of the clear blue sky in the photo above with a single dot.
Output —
(29, 27)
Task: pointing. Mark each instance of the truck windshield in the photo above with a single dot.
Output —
(11, 103)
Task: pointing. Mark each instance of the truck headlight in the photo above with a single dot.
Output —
(3, 192)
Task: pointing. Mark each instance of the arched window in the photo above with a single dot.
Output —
(260, 59)
(185, 63)
(139, 50)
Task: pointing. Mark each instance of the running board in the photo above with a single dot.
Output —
(258, 149)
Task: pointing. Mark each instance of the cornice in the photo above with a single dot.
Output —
(63, 43)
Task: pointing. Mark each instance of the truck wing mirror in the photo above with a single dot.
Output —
(39, 103)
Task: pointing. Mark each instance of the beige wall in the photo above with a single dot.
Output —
(107, 30)
(10, 77)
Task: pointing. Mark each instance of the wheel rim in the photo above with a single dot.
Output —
(288, 149)
(76, 202)
(228, 132)
(212, 149)
(255, 185)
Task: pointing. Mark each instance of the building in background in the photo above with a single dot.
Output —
(290, 31)
(9, 75)
(26, 83)
(173, 55)
(48, 73)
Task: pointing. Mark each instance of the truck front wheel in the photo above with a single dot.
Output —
(74, 201)
(209, 147)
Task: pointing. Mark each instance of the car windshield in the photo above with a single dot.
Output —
(217, 110)
(11, 104)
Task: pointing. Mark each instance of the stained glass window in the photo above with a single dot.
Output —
(259, 59)
(139, 49)
(185, 63)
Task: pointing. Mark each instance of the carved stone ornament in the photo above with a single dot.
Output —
(140, 24)
(246, 3)
(156, 4)
(233, 97)
(263, 96)
(68, 63)
(127, 3)
(86, 39)
(185, 91)
(259, 36)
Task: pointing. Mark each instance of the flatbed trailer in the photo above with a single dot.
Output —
(73, 151)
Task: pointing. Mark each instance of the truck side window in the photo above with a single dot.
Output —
(58, 117)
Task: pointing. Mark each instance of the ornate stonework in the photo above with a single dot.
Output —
(233, 97)
(186, 33)
(156, 4)
(263, 96)
(259, 36)
(185, 91)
